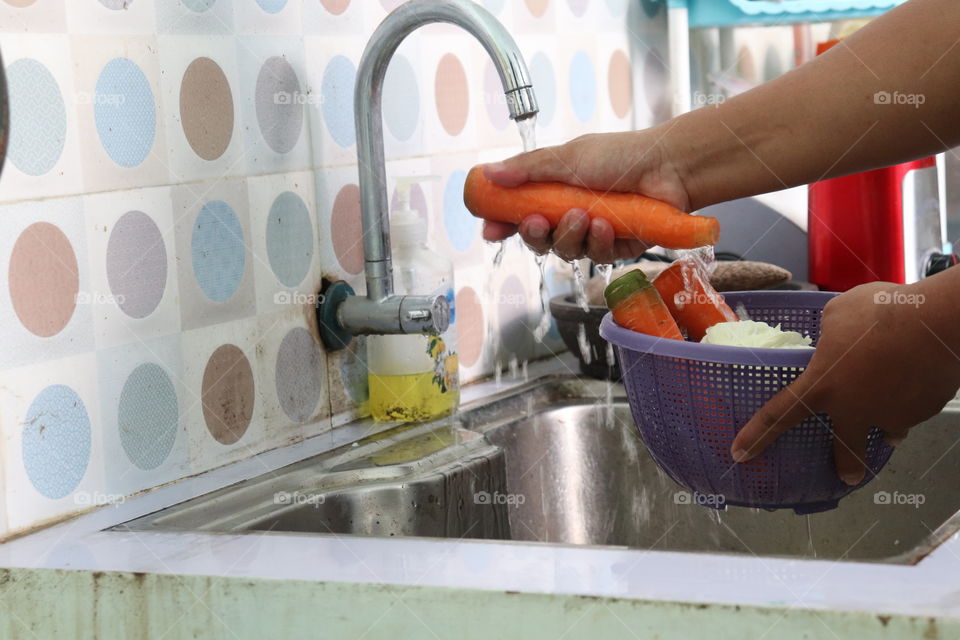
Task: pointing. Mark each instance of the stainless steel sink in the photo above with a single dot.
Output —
(554, 462)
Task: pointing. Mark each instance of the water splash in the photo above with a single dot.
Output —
(579, 286)
(528, 132)
(584, 344)
(545, 320)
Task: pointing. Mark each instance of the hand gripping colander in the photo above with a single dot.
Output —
(690, 399)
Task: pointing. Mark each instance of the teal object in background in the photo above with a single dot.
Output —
(728, 13)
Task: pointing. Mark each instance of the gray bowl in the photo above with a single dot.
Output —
(569, 317)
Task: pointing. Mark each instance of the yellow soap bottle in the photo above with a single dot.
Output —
(414, 377)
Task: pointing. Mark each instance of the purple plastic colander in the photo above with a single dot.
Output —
(689, 400)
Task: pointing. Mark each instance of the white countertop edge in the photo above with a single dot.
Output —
(930, 588)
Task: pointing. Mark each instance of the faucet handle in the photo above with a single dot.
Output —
(424, 314)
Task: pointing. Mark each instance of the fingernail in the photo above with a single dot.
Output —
(595, 227)
(578, 223)
(740, 455)
(537, 231)
(852, 479)
(494, 166)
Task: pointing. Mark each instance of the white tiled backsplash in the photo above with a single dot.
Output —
(182, 174)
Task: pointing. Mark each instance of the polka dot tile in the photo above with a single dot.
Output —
(299, 377)
(620, 83)
(289, 239)
(494, 100)
(461, 227)
(43, 278)
(218, 251)
(55, 443)
(335, 7)
(206, 108)
(38, 117)
(148, 416)
(452, 94)
(227, 394)
(470, 331)
(346, 230)
(544, 80)
(279, 104)
(401, 92)
(136, 264)
(199, 6)
(272, 6)
(583, 90)
(337, 100)
(125, 113)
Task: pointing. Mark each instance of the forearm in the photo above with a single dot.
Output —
(935, 300)
(821, 120)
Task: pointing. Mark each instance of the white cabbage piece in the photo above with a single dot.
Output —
(748, 333)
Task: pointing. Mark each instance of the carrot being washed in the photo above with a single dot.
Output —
(637, 306)
(692, 301)
(631, 215)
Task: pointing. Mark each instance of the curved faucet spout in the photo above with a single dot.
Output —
(378, 312)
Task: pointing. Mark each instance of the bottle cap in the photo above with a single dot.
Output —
(407, 227)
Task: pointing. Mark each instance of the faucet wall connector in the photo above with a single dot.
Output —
(381, 311)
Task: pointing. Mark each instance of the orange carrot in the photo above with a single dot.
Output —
(631, 215)
(694, 304)
(637, 306)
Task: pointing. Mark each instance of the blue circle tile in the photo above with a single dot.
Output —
(544, 81)
(336, 93)
(272, 6)
(218, 251)
(148, 416)
(402, 94)
(124, 109)
(38, 117)
(583, 86)
(460, 225)
(56, 441)
(199, 6)
(493, 6)
(289, 239)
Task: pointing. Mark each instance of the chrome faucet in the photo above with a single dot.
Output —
(341, 314)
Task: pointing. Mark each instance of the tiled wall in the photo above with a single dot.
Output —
(182, 174)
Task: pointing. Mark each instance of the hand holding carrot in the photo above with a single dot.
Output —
(633, 162)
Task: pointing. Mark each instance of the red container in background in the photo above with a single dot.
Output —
(883, 225)
(878, 225)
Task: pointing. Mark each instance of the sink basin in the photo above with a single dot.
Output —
(554, 462)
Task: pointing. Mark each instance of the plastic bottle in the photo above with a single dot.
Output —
(414, 377)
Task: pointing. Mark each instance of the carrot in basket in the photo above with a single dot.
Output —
(637, 306)
(631, 215)
(692, 301)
